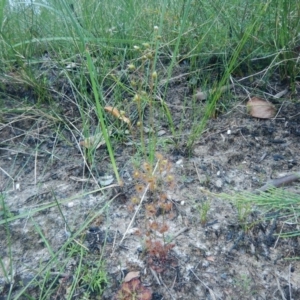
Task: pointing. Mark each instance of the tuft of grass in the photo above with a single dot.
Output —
(278, 200)
(203, 211)
(83, 277)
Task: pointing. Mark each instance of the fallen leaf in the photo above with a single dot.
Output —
(115, 112)
(131, 275)
(260, 108)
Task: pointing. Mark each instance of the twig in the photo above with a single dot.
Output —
(289, 283)
(279, 182)
(280, 289)
(155, 276)
(206, 286)
(159, 276)
(178, 233)
(197, 171)
(35, 168)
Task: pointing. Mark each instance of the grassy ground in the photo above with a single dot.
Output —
(124, 55)
(216, 40)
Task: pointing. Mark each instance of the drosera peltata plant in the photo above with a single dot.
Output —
(151, 199)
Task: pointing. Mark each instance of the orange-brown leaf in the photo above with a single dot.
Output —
(115, 112)
(260, 108)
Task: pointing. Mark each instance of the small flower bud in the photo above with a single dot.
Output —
(137, 97)
(154, 75)
(131, 67)
(146, 45)
(149, 55)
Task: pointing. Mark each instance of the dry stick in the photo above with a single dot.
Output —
(137, 210)
(278, 237)
(290, 287)
(35, 168)
(155, 275)
(13, 181)
(178, 233)
(279, 288)
(279, 182)
(206, 286)
(82, 154)
(168, 290)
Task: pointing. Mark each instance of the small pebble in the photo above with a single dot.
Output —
(219, 183)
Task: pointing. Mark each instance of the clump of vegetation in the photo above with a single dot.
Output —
(203, 211)
(158, 254)
(95, 279)
(158, 208)
(133, 290)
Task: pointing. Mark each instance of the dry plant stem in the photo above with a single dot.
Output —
(155, 276)
(279, 288)
(197, 171)
(206, 286)
(84, 160)
(178, 233)
(138, 208)
(204, 95)
(278, 237)
(279, 182)
(290, 287)
(159, 276)
(35, 168)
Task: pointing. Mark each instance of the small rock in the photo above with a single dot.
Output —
(219, 183)
(179, 163)
(205, 264)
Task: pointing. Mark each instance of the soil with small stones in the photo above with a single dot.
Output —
(50, 198)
